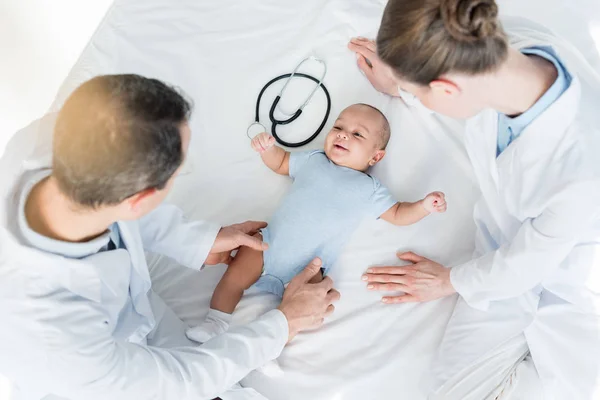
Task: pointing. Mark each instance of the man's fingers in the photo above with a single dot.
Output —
(410, 256)
(330, 310)
(251, 241)
(326, 284)
(251, 226)
(307, 273)
(333, 296)
(407, 298)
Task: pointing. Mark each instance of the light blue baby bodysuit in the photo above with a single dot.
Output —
(322, 209)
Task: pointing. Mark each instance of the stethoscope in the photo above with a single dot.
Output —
(292, 116)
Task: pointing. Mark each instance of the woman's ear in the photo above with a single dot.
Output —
(377, 157)
(445, 87)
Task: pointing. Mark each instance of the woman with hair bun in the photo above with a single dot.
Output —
(527, 322)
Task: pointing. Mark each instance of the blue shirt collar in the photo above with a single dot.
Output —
(59, 247)
(563, 80)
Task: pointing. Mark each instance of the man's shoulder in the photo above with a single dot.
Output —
(26, 272)
(11, 188)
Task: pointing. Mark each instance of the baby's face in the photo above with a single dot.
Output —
(355, 139)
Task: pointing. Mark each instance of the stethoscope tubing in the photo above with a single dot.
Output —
(295, 116)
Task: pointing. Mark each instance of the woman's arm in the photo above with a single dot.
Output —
(537, 250)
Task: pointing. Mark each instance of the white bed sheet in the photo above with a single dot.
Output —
(221, 53)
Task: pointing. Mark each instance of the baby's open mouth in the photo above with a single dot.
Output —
(340, 147)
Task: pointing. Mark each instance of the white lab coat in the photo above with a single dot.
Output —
(66, 331)
(537, 262)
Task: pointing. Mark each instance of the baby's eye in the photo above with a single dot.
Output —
(358, 134)
(336, 128)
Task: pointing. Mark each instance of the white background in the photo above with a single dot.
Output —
(40, 40)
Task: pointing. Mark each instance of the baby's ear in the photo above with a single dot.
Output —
(377, 157)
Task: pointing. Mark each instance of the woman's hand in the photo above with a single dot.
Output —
(424, 280)
(377, 72)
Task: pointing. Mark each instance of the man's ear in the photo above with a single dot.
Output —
(136, 202)
(377, 157)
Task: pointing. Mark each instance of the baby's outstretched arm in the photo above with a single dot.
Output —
(409, 213)
(273, 156)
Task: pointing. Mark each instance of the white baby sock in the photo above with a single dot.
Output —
(271, 369)
(216, 322)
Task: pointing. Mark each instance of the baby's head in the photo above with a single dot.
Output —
(358, 138)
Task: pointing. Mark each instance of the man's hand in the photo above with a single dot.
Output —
(425, 280)
(435, 202)
(377, 72)
(231, 238)
(304, 304)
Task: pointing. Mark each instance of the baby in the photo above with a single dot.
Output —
(330, 195)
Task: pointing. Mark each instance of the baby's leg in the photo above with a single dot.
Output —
(243, 271)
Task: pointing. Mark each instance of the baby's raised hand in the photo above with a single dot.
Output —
(435, 202)
(262, 142)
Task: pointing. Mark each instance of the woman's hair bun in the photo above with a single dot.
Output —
(470, 20)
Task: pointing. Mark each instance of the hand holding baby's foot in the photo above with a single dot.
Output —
(262, 142)
(435, 202)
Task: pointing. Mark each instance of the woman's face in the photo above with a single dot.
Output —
(443, 96)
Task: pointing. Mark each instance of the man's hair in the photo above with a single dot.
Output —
(385, 130)
(117, 135)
